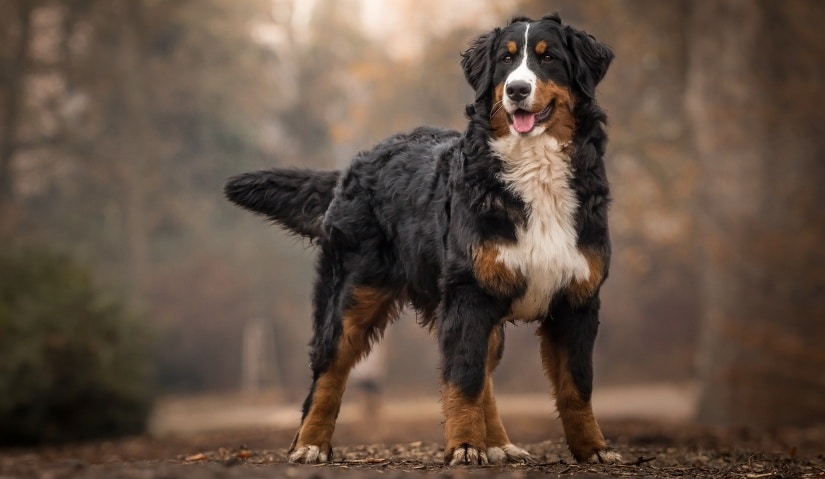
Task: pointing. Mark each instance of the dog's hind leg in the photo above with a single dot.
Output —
(341, 340)
(499, 447)
(567, 340)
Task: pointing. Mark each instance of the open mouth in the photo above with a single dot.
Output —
(524, 121)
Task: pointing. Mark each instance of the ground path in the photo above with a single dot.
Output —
(243, 437)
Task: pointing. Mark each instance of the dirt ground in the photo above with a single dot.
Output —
(395, 445)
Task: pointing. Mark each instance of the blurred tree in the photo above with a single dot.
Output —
(16, 42)
(74, 363)
(120, 120)
(162, 128)
(120, 91)
(755, 101)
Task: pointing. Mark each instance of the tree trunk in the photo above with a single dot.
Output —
(14, 92)
(755, 105)
(132, 146)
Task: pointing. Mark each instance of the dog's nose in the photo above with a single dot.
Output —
(518, 90)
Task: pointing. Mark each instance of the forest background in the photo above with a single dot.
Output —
(121, 119)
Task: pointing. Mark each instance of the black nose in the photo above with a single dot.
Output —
(518, 90)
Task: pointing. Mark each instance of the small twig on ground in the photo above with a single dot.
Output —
(641, 460)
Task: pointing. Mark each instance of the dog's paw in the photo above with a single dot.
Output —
(606, 456)
(507, 453)
(310, 454)
(466, 454)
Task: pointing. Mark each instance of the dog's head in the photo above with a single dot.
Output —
(529, 74)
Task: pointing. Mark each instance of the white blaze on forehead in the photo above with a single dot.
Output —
(523, 72)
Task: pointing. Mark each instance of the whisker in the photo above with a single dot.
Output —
(496, 107)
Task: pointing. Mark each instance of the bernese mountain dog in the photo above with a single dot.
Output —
(504, 221)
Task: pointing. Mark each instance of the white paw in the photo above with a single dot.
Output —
(466, 454)
(308, 455)
(606, 457)
(507, 453)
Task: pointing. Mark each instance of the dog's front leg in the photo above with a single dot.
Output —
(468, 318)
(499, 447)
(567, 338)
(464, 427)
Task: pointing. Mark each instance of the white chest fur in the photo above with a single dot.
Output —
(539, 171)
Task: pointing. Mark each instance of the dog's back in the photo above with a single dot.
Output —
(390, 208)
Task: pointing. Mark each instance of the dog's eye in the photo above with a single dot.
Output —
(546, 59)
(507, 59)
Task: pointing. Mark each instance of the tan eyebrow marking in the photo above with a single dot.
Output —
(511, 47)
(541, 47)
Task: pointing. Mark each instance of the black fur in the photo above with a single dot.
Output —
(406, 215)
(295, 199)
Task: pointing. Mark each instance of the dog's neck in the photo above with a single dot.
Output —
(534, 167)
(515, 149)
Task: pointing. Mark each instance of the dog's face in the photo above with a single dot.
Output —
(529, 75)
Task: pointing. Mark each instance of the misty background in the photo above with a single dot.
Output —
(121, 119)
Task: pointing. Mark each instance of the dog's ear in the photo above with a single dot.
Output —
(590, 59)
(477, 62)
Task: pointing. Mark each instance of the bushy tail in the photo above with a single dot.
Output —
(295, 199)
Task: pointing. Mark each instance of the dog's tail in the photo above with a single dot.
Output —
(293, 198)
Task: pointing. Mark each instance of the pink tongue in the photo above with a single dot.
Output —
(523, 121)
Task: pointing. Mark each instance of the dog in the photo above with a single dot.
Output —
(504, 221)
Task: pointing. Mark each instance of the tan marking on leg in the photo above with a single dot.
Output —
(495, 275)
(464, 421)
(584, 437)
(580, 291)
(364, 319)
(367, 315)
(561, 124)
(496, 435)
(319, 424)
(499, 447)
